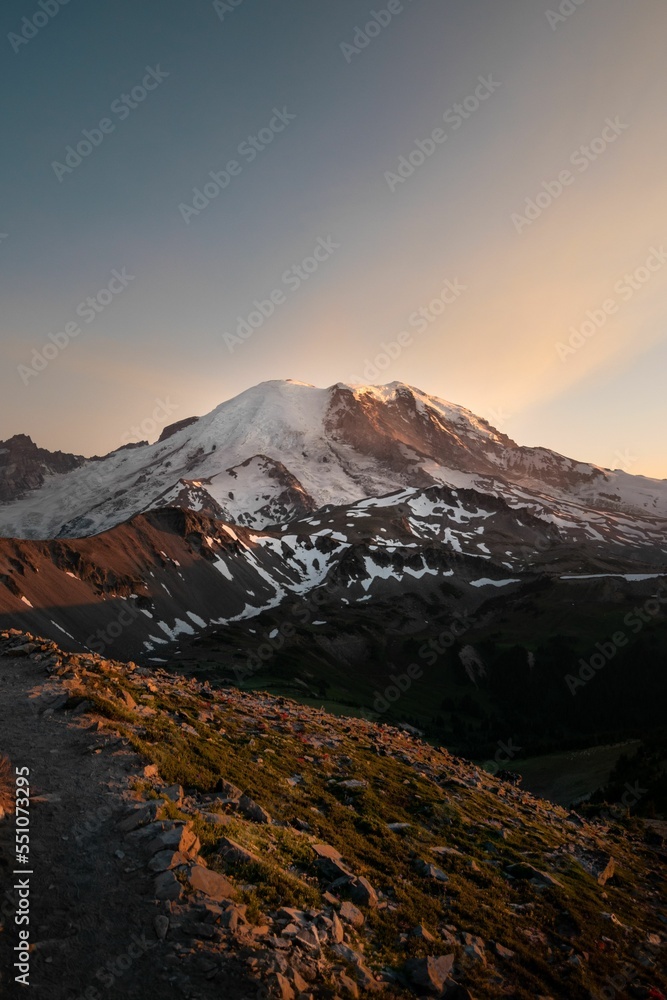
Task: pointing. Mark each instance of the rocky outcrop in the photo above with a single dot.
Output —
(174, 428)
(24, 466)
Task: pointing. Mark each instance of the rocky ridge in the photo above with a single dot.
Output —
(319, 856)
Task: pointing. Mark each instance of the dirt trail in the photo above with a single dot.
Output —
(92, 907)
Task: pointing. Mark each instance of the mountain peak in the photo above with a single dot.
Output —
(318, 446)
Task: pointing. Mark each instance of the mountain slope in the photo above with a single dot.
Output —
(257, 846)
(173, 572)
(282, 449)
(141, 585)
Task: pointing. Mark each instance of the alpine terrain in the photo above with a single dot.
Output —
(242, 667)
(324, 541)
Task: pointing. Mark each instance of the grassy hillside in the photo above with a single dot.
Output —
(435, 857)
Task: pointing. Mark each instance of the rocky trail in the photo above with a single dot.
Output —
(92, 906)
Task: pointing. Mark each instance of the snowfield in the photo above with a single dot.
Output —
(285, 449)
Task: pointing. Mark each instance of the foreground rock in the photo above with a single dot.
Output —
(430, 973)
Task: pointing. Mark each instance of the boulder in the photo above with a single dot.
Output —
(364, 893)
(351, 914)
(232, 918)
(180, 837)
(337, 932)
(229, 791)
(166, 860)
(213, 885)
(129, 700)
(309, 940)
(422, 934)
(284, 988)
(161, 924)
(599, 864)
(203, 931)
(474, 947)
(216, 819)
(348, 985)
(292, 915)
(235, 854)
(251, 810)
(210, 911)
(430, 973)
(524, 871)
(167, 886)
(299, 983)
(607, 872)
(431, 871)
(364, 975)
(173, 792)
(327, 851)
(330, 862)
(140, 816)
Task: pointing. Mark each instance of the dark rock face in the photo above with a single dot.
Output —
(174, 428)
(401, 432)
(292, 500)
(24, 466)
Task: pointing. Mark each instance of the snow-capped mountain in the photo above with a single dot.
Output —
(366, 494)
(284, 449)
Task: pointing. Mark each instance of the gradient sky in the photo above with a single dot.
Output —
(493, 350)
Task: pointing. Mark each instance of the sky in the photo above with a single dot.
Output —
(465, 196)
